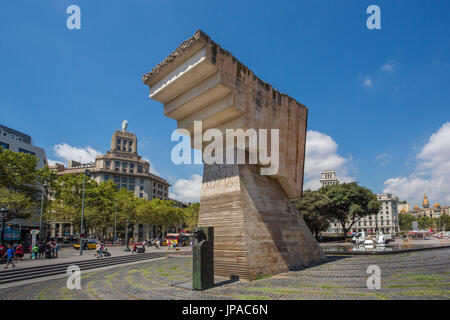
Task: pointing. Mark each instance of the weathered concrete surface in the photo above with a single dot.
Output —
(257, 231)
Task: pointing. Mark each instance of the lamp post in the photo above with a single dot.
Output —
(86, 171)
(127, 248)
(115, 220)
(4, 212)
(42, 213)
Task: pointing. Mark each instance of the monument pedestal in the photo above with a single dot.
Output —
(257, 230)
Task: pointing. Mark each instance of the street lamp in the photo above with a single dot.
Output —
(42, 213)
(86, 172)
(127, 248)
(115, 220)
(4, 212)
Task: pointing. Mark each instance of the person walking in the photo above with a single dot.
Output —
(19, 252)
(134, 248)
(9, 257)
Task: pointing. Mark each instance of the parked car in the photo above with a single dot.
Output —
(89, 244)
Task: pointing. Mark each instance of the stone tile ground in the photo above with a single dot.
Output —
(417, 275)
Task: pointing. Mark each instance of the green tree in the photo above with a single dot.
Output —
(20, 186)
(443, 222)
(68, 195)
(405, 221)
(425, 222)
(191, 216)
(314, 208)
(349, 203)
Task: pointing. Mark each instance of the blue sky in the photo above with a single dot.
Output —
(375, 97)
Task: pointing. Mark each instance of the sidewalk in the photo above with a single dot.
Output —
(71, 255)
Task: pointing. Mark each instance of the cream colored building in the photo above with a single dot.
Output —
(434, 211)
(386, 220)
(125, 167)
(328, 178)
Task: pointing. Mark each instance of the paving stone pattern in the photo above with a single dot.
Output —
(416, 275)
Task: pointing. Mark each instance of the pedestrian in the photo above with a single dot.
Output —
(134, 248)
(19, 252)
(9, 257)
(53, 248)
(97, 250)
(15, 244)
(41, 250)
(143, 244)
(48, 250)
(56, 250)
(35, 251)
(2, 252)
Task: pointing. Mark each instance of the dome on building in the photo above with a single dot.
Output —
(437, 205)
(425, 203)
(416, 207)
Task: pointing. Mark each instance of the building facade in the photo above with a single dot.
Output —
(328, 178)
(386, 221)
(434, 211)
(126, 168)
(20, 142)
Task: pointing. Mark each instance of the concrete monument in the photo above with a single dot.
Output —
(257, 231)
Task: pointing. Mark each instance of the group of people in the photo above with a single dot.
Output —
(101, 250)
(15, 252)
(46, 250)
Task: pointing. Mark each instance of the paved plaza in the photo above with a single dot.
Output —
(414, 275)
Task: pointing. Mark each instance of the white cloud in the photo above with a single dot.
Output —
(367, 82)
(83, 155)
(152, 167)
(389, 66)
(383, 159)
(187, 189)
(432, 173)
(321, 155)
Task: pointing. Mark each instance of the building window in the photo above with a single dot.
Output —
(117, 165)
(108, 164)
(124, 179)
(26, 151)
(131, 167)
(116, 179)
(131, 180)
(106, 177)
(141, 188)
(4, 145)
(140, 168)
(131, 187)
(142, 180)
(141, 195)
